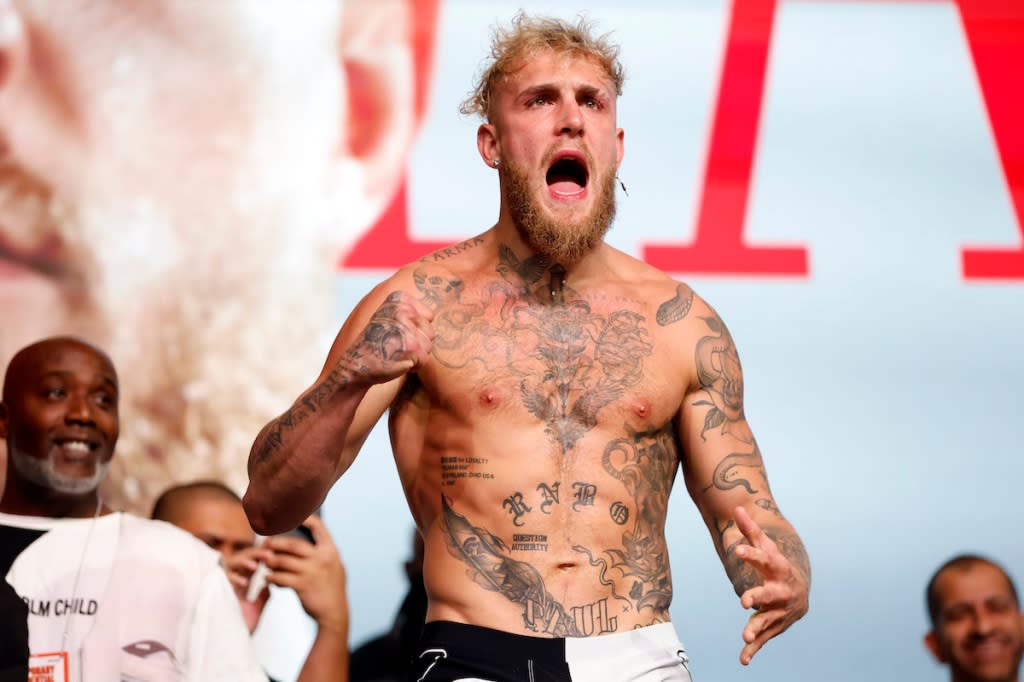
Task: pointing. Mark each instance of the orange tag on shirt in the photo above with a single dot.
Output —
(48, 667)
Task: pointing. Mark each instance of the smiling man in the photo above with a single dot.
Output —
(977, 624)
(544, 389)
(110, 596)
(177, 182)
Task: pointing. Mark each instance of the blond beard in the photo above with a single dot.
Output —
(559, 241)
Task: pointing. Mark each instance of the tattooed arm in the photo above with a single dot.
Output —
(297, 457)
(725, 475)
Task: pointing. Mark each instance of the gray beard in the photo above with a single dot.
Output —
(43, 472)
(560, 242)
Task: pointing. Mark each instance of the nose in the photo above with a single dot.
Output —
(79, 408)
(13, 45)
(570, 119)
(983, 623)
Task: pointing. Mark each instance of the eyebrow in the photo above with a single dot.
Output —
(545, 88)
(64, 374)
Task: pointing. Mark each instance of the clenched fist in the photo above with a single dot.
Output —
(396, 340)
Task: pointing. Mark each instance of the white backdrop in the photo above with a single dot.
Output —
(884, 389)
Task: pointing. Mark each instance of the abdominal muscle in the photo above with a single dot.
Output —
(543, 544)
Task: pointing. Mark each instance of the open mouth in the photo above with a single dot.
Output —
(567, 175)
(76, 448)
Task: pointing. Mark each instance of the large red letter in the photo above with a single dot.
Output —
(718, 246)
(995, 33)
(387, 245)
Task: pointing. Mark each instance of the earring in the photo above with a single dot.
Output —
(622, 185)
(495, 162)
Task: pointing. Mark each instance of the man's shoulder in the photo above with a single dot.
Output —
(170, 541)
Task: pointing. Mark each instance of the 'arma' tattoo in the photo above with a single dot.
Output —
(645, 463)
(721, 377)
(584, 495)
(570, 361)
(442, 254)
(517, 581)
(515, 505)
(737, 470)
(677, 307)
(549, 493)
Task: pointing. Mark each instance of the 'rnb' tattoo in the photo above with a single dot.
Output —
(549, 493)
(570, 361)
(584, 495)
(515, 505)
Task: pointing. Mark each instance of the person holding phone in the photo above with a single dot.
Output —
(304, 560)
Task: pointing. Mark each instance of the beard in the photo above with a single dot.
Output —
(44, 473)
(560, 241)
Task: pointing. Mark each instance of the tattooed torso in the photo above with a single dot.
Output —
(538, 447)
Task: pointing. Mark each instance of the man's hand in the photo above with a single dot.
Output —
(782, 597)
(240, 568)
(315, 572)
(397, 339)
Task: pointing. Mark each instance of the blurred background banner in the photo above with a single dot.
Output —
(207, 191)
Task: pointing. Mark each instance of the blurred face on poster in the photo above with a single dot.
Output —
(177, 181)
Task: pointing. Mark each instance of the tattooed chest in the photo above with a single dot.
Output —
(568, 366)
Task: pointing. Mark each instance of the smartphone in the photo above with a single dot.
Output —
(259, 577)
(302, 533)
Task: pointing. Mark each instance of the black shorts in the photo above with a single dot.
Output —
(451, 652)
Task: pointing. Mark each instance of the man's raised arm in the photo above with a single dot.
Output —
(298, 456)
(725, 475)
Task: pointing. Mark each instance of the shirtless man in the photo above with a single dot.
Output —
(544, 389)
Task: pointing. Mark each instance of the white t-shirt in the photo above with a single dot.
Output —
(130, 599)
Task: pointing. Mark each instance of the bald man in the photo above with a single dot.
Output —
(977, 624)
(213, 513)
(110, 596)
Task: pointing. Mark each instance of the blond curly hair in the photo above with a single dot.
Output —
(527, 36)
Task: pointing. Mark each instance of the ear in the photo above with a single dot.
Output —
(931, 642)
(487, 144)
(620, 146)
(13, 45)
(385, 51)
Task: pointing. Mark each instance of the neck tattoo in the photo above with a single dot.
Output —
(557, 284)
